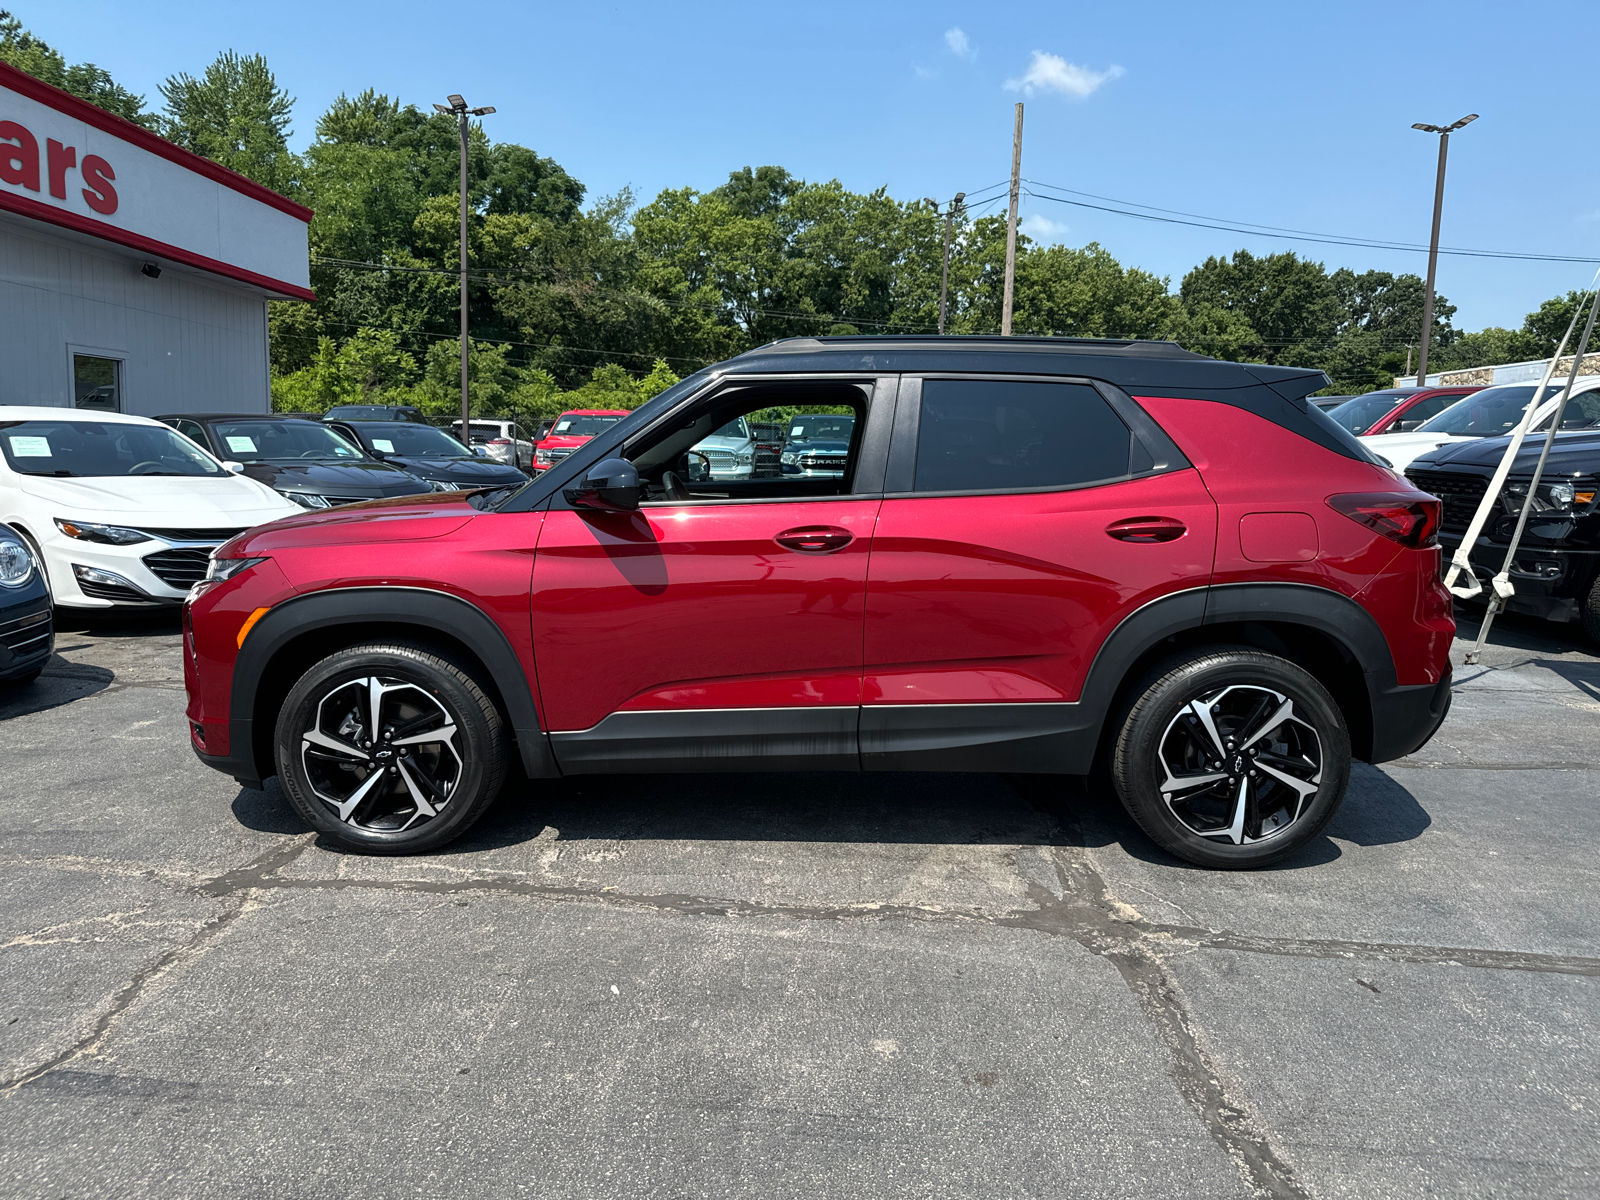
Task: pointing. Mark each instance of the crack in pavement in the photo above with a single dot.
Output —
(273, 860)
(1084, 913)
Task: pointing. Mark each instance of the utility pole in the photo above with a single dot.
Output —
(1444, 132)
(458, 108)
(1011, 225)
(944, 275)
(1408, 356)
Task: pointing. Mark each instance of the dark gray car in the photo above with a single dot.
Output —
(429, 453)
(305, 460)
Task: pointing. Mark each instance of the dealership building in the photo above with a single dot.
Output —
(134, 275)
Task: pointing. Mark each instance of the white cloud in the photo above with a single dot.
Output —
(922, 72)
(1043, 229)
(956, 39)
(1052, 73)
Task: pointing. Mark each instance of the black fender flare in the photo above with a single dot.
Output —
(1331, 613)
(423, 608)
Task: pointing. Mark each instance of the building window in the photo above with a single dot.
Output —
(97, 383)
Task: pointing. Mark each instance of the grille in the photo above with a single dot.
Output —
(179, 568)
(822, 462)
(556, 455)
(113, 591)
(1461, 495)
(215, 536)
(27, 636)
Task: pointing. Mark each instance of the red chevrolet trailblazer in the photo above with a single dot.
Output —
(1038, 555)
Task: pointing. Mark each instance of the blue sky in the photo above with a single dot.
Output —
(1295, 115)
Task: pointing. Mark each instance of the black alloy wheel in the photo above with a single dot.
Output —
(1231, 757)
(390, 748)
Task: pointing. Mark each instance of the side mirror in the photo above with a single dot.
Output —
(237, 468)
(611, 485)
(480, 452)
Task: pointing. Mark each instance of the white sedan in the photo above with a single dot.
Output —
(122, 511)
(1493, 412)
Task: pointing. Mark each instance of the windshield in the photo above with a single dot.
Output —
(821, 427)
(582, 426)
(484, 430)
(423, 441)
(1357, 415)
(261, 441)
(736, 429)
(83, 448)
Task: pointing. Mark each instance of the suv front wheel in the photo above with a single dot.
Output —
(1231, 757)
(390, 748)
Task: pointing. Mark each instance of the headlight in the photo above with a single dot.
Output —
(542, 457)
(1562, 494)
(16, 564)
(439, 485)
(790, 457)
(307, 499)
(227, 568)
(109, 535)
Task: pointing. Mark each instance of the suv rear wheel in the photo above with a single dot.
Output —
(389, 748)
(1231, 757)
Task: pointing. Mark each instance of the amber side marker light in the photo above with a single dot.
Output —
(249, 624)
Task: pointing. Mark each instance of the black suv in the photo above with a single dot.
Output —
(428, 453)
(375, 412)
(1557, 569)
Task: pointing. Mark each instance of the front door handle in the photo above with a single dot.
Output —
(815, 539)
(1147, 529)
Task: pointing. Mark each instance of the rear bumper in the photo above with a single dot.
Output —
(1405, 717)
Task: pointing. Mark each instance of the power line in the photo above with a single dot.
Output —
(1270, 231)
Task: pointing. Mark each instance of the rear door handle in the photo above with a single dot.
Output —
(815, 539)
(1147, 529)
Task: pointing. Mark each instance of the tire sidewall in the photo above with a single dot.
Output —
(478, 744)
(1173, 685)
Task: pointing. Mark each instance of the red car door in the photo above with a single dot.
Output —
(1023, 521)
(706, 633)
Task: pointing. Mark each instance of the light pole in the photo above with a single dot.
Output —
(1444, 132)
(944, 274)
(458, 108)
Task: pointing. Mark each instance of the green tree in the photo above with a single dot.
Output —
(88, 82)
(234, 114)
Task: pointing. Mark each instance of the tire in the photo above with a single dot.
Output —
(1200, 715)
(1590, 613)
(433, 788)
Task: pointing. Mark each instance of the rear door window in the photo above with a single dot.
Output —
(1008, 435)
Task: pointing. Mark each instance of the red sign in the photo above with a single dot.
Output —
(19, 165)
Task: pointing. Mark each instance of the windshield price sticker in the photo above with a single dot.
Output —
(383, 444)
(241, 445)
(31, 447)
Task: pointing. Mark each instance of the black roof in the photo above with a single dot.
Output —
(1131, 365)
(228, 416)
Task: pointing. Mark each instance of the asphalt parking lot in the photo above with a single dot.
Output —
(882, 986)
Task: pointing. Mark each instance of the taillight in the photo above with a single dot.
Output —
(1408, 519)
(499, 441)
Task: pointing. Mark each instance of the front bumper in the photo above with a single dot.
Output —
(26, 634)
(145, 589)
(1550, 583)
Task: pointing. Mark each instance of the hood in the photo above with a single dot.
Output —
(810, 444)
(373, 479)
(724, 443)
(398, 519)
(563, 441)
(477, 472)
(186, 501)
(1401, 448)
(1576, 453)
